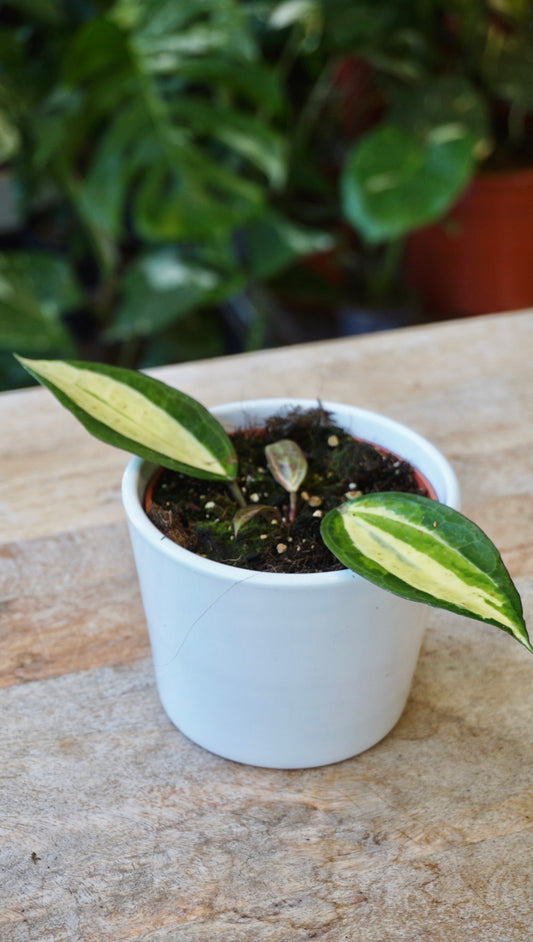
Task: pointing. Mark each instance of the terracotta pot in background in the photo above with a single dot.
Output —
(480, 260)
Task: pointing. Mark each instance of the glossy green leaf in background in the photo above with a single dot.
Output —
(158, 289)
(393, 183)
(406, 173)
(272, 243)
(425, 551)
(36, 288)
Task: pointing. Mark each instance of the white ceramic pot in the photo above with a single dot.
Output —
(281, 671)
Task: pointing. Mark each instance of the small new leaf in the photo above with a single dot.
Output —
(287, 464)
(245, 514)
(425, 551)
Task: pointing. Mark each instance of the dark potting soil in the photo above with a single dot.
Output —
(199, 514)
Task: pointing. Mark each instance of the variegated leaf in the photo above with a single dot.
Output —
(423, 550)
(141, 415)
(287, 464)
(245, 514)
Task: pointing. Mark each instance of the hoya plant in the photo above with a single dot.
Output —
(410, 545)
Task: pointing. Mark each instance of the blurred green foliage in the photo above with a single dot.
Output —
(459, 94)
(170, 156)
(147, 143)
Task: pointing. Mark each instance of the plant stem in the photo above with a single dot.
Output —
(381, 284)
(293, 499)
(237, 493)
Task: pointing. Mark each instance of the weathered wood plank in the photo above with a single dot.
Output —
(69, 602)
(115, 827)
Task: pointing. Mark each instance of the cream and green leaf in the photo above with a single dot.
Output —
(413, 546)
(287, 464)
(141, 415)
(425, 551)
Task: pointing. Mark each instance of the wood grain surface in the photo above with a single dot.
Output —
(114, 827)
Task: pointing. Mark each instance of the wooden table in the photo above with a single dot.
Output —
(115, 827)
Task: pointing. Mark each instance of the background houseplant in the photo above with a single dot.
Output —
(172, 164)
(413, 546)
(456, 117)
(144, 140)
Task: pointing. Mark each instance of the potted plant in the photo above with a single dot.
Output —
(413, 116)
(275, 668)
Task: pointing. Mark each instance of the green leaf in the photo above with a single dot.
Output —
(47, 10)
(257, 83)
(35, 289)
(159, 289)
(435, 111)
(198, 28)
(103, 191)
(245, 514)
(9, 137)
(249, 138)
(273, 243)
(392, 183)
(97, 48)
(196, 200)
(141, 415)
(425, 551)
(200, 40)
(289, 12)
(409, 170)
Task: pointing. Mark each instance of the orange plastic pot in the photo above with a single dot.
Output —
(480, 259)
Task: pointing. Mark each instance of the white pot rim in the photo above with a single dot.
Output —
(138, 471)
